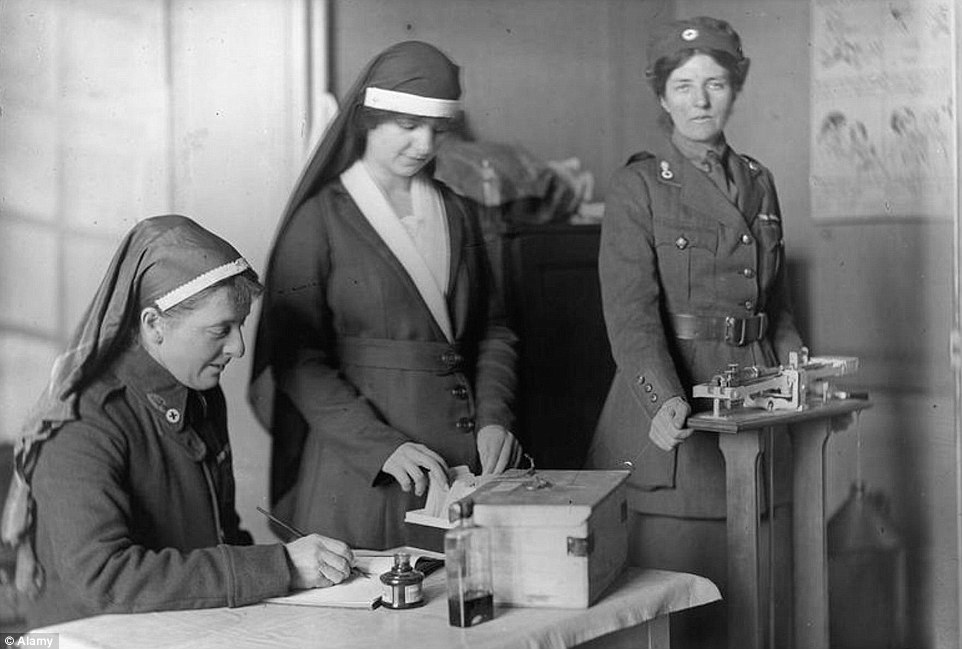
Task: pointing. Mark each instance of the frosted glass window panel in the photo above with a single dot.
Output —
(29, 290)
(114, 171)
(24, 370)
(113, 53)
(28, 31)
(114, 88)
(28, 161)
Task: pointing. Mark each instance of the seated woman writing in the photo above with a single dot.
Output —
(124, 490)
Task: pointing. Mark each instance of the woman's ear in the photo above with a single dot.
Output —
(151, 327)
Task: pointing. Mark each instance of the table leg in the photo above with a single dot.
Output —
(811, 554)
(742, 452)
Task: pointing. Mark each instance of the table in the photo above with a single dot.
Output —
(633, 613)
(740, 440)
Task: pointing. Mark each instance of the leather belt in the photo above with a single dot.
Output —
(424, 356)
(728, 329)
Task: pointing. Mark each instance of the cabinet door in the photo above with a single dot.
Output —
(554, 304)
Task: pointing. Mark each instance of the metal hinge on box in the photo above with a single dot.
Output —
(581, 547)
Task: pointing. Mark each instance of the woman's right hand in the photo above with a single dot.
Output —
(408, 463)
(668, 427)
(318, 561)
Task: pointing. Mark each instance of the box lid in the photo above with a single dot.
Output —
(546, 498)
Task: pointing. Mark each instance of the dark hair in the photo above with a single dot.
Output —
(367, 119)
(243, 289)
(663, 67)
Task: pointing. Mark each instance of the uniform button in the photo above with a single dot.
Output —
(172, 415)
(748, 272)
(654, 398)
(465, 424)
(648, 387)
(451, 358)
(641, 380)
(681, 243)
(459, 392)
(747, 239)
(749, 305)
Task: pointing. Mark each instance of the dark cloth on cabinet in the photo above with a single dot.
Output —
(360, 366)
(674, 242)
(135, 503)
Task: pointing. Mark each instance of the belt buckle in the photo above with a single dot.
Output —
(730, 323)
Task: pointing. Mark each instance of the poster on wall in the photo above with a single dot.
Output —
(883, 109)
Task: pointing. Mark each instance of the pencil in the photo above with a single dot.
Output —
(287, 526)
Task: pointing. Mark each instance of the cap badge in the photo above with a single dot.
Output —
(173, 415)
(666, 171)
(689, 34)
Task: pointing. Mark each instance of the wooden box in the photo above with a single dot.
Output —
(558, 538)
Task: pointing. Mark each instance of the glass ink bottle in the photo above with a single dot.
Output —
(467, 562)
(401, 585)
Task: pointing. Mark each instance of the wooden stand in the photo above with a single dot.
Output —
(740, 439)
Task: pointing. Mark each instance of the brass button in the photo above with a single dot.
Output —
(459, 392)
(681, 243)
(654, 398)
(465, 424)
(648, 387)
(749, 305)
(748, 272)
(747, 239)
(641, 379)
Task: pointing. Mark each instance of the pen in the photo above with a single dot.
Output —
(299, 534)
(287, 526)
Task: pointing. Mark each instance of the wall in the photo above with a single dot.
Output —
(563, 78)
(560, 77)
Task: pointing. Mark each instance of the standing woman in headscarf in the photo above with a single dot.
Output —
(692, 268)
(123, 493)
(382, 355)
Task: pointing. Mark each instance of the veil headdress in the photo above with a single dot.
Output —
(161, 262)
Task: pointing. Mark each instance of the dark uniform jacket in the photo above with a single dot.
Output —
(673, 242)
(135, 503)
(366, 368)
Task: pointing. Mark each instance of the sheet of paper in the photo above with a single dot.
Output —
(363, 588)
(441, 496)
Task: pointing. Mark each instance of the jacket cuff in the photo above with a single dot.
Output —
(255, 572)
(651, 391)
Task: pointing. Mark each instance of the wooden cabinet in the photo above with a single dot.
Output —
(553, 298)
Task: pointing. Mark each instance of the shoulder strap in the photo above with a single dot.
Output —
(638, 157)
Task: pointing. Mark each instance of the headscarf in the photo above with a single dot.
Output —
(412, 78)
(161, 262)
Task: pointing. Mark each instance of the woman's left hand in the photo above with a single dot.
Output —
(498, 449)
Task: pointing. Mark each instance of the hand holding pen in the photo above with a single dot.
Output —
(316, 561)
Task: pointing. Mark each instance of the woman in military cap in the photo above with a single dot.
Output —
(123, 494)
(382, 355)
(692, 268)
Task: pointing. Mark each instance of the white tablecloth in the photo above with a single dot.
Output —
(636, 597)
